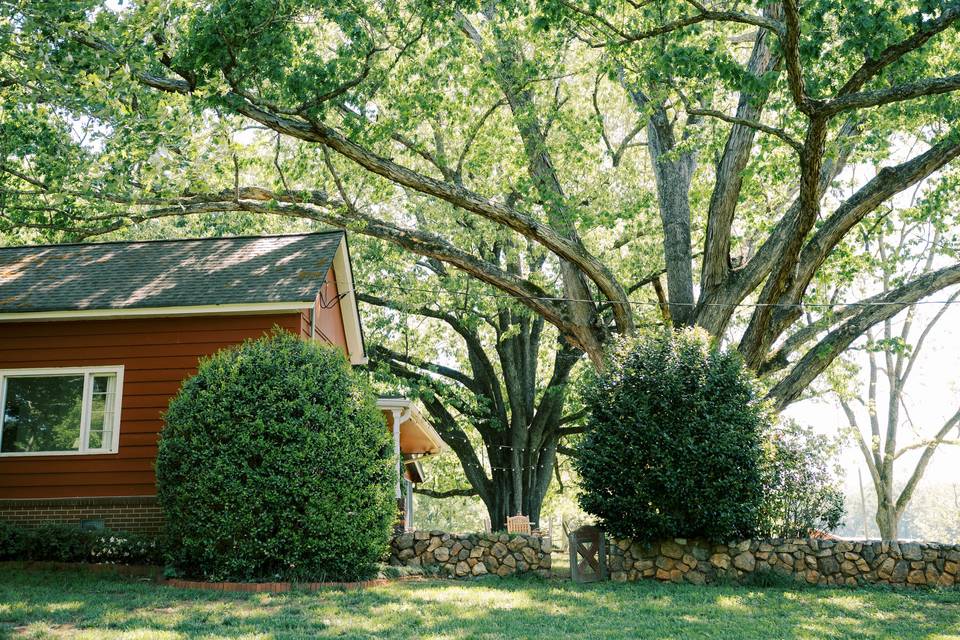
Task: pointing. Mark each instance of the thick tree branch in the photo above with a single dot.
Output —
(751, 124)
(949, 14)
(450, 493)
(791, 53)
(673, 171)
(311, 130)
(318, 206)
(736, 154)
(572, 417)
(385, 353)
(483, 369)
(780, 357)
(897, 93)
(921, 467)
(757, 338)
(504, 60)
(703, 15)
(451, 433)
(875, 309)
(888, 182)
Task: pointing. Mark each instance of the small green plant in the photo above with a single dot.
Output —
(60, 543)
(673, 442)
(125, 548)
(13, 542)
(802, 489)
(275, 464)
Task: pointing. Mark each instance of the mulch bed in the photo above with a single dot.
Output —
(156, 574)
(127, 570)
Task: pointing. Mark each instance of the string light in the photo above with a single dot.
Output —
(485, 468)
(650, 303)
(654, 303)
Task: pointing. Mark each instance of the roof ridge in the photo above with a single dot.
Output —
(162, 240)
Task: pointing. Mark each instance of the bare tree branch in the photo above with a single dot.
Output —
(897, 93)
(752, 124)
(921, 467)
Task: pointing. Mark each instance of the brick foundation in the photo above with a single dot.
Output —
(136, 514)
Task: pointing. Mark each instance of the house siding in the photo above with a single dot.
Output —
(157, 355)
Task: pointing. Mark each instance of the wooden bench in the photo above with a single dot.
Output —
(518, 524)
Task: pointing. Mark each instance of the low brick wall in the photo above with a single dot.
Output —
(822, 562)
(135, 514)
(473, 554)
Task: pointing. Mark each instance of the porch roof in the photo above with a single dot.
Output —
(417, 437)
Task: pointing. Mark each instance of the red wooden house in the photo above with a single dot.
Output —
(96, 338)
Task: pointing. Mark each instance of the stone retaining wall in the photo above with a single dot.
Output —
(473, 554)
(822, 562)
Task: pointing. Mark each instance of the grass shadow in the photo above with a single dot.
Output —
(76, 605)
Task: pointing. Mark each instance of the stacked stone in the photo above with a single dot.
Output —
(821, 562)
(474, 554)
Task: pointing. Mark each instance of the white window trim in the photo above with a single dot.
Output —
(87, 373)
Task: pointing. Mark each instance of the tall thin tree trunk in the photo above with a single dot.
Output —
(888, 521)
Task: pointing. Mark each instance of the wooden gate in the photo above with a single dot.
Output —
(588, 555)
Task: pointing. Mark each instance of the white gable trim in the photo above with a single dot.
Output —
(348, 304)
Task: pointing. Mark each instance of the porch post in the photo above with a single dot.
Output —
(408, 511)
(397, 417)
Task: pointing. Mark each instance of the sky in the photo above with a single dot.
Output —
(932, 395)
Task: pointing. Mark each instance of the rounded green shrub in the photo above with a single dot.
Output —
(276, 464)
(674, 441)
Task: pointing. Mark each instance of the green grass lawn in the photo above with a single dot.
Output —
(78, 605)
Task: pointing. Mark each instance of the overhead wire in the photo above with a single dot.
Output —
(654, 303)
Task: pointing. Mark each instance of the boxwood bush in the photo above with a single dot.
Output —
(674, 441)
(275, 464)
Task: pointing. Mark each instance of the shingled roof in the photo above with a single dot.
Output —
(165, 273)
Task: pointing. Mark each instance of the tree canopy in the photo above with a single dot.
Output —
(530, 145)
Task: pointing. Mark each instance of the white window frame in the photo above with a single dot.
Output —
(88, 373)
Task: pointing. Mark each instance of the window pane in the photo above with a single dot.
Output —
(102, 402)
(42, 413)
